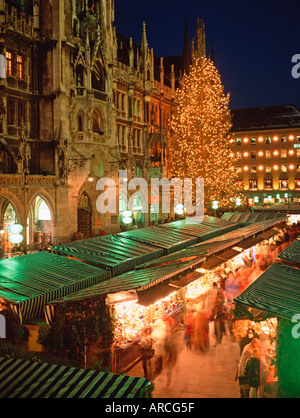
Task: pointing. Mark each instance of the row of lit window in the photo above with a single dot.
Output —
(253, 140)
(268, 154)
(268, 184)
(268, 168)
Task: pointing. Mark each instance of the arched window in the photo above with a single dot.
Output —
(79, 123)
(97, 122)
(98, 81)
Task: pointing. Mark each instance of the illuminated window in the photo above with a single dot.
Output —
(9, 63)
(20, 66)
(239, 155)
(268, 184)
(253, 155)
(268, 169)
(283, 184)
(283, 168)
(298, 138)
(253, 169)
(253, 184)
(283, 139)
(268, 154)
(253, 140)
(297, 184)
(268, 140)
(298, 168)
(238, 169)
(283, 153)
(238, 141)
(298, 152)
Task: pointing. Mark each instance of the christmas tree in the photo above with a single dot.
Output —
(201, 125)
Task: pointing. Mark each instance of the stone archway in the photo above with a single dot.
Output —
(39, 223)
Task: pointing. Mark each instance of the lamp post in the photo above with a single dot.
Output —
(215, 206)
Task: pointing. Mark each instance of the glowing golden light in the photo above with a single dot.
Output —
(260, 153)
(276, 152)
(260, 139)
(291, 137)
(246, 140)
(275, 138)
(246, 168)
(261, 167)
(291, 152)
(291, 167)
(246, 154)
(275, 167)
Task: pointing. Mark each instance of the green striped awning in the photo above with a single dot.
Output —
(158, 236)
(292, 252)
(276, 291)
(29, 379)
(113, 252)
(200, 230)
(30, 281)
(141, 278)
(248, 218)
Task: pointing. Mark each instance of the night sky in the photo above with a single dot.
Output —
(254, 41)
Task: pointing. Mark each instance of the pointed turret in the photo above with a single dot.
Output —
(144, 43)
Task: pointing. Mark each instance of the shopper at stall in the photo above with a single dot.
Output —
(246, 354)
(211, 298)
(255, 375)
(158, 336)
(146, 350)
(188, 327)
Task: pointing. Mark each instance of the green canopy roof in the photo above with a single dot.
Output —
(248, 218)
(276, 291)
(28, 379)
(292, 252)
(170, 240)
(28, 282)
(114, 252)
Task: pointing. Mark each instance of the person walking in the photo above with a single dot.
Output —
(246, 354)
(146, 350)
(158, 336)
(255, 376)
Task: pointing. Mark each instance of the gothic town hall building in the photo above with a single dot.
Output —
(78, 102)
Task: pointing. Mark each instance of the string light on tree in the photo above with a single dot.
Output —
(201, 142)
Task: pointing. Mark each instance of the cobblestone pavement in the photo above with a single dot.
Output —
(209, 374)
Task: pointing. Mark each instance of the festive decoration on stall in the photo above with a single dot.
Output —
(201, 126)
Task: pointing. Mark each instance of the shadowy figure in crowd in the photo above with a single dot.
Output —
(211, 298)
(188, 327)
(201, 328)
(246, 354)
(255, 374)
(146, 350)
(158, 336)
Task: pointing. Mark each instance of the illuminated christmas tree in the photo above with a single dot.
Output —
(201, 126)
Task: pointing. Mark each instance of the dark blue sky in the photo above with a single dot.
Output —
(254, 41)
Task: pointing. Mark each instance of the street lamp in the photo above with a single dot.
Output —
(215, 205)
